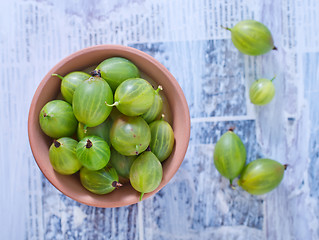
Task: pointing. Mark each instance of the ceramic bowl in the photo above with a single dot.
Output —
(48, 90)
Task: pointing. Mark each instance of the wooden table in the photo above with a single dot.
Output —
(186, 37)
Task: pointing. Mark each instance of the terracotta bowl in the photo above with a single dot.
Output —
(49, 89)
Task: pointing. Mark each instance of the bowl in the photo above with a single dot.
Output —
(48, 90)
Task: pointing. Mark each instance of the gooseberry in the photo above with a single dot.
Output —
(115, 70)
(156, 109)
(100, 182)
(130, 135)
(62, 155)
(252, 37)
(146, 173)
(70, 82)
(57, 120)
(262, 91)
(133, 97)
(89, 101)
(229, 155)
(261, 176)
(162, 139)
(93, 152)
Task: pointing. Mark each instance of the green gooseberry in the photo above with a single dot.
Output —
(57, 120)
(115, 70)
(146, 173)
(62, 155)
(262, 91)
(100, 182)
(252, 37)
(89, 101)
(130, 135)
(229, 155)
(121, 163)
(162, 139)
(156, 109)
(261, 176)
(70, 82)
(93, 152)
(134, 97)
(102, 130)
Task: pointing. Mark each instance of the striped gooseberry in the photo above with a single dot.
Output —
(229, 155)
(89, 101)
(57, 120)
(156, 109)
(261, 176)
(115, 70)
(130, 135)
(252, 37)
(162, 139)
(70, 82)
(62, 155)
(133, 97)
(262, 91)
(100, 182)
(93, 152)
(146, 173)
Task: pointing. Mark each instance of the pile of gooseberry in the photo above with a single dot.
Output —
(254, 38)
(258, 177)
(262, 175)
(109, 126)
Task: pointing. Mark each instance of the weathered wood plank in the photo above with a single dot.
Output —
(185, 36)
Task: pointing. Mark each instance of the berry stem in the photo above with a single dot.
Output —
(159, 88)
(229, 29)
(273, 78)
(85, 128)
(231, 129)
(275, 48)
(112, 105)
(142, 194)
(57, 75)
(285, 166)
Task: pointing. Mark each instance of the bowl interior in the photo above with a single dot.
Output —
(49, 89)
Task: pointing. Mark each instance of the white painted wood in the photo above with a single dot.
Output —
(185, 36)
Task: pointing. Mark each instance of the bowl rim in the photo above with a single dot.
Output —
(121, 48)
